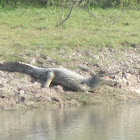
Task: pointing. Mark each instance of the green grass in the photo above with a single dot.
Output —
(32, 31)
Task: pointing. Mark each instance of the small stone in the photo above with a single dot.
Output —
(2, 96)
(55, 99)
(21, 92)
(22, 99)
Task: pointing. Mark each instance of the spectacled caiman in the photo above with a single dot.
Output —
(62, 76)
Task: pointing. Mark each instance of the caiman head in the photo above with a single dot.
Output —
(96, 81)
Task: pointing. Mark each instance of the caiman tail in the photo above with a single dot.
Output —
(17, 67)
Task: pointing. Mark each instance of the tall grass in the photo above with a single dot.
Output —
(91, 3)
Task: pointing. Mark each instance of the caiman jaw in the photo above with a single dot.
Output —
(107, 80)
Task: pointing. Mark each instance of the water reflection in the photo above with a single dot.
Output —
(96, 122)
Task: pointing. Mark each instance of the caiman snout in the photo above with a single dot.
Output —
(106, 80)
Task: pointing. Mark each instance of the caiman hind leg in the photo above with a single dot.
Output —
(49, 77)
(33, 80)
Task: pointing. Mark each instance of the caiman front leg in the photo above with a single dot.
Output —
(49, 77)
(83, 88)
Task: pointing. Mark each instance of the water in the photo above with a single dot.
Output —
(120, 122)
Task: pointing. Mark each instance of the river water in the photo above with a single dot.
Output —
(120, 122)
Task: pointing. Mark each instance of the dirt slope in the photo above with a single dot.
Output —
(17, 90)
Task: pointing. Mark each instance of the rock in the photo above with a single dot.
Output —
(22, 99)
(21, 92)
(124, 82)
(56, 99)
(2, 96)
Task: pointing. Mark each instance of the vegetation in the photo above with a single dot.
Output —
(91, 3)
(26, 32)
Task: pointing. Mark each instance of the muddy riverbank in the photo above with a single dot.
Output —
(17, 90)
